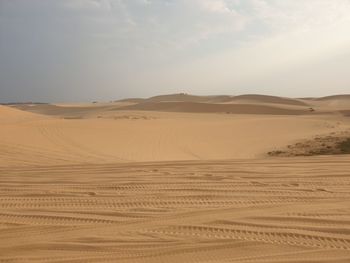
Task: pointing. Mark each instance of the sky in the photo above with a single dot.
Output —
(83, 50)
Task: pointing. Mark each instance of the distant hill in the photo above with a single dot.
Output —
(183, 97)
(200, 107)
(182, 102)
(268, 99)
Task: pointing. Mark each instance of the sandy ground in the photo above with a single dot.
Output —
(118, 182)
(288, 210)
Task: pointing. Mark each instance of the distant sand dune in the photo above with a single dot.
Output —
(177, 98)
(242, 104)
(335, 97)
(340, 102)
(196, 107)
(251, 98)
(268, 99)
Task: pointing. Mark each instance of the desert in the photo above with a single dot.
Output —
(175, 178)
(174, 131)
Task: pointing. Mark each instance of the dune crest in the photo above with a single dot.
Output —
(11, 115)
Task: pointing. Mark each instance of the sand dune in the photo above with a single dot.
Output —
(8, 113)
(335, 97)
(153, 136)
(268, 99)
(214, 108)
(182, 97)
(131, 100)
(111, 132)
(177, 98)
(13, 115)
(340, 102)
(172, 181)
(249, 98)
(70, 110)
(242, 104)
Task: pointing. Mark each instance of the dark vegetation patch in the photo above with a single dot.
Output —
(345, 146)
(346, 113)
(322, 145)
(73, 117)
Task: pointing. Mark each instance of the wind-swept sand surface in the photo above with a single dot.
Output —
(142, 180)
(280, 210)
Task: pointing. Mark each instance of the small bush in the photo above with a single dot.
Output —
(345, 146)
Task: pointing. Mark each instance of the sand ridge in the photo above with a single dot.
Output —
(12, 114)
(127, 136)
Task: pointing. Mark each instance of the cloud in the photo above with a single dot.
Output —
(216, 6)
(301, 15)
(82, 4)
(285, 36)
(146, 45)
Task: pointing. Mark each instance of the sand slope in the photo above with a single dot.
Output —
(12, 115)
(70, 111)
(152, 136)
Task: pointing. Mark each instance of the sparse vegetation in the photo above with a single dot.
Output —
(345, 146)
(276, 153)
(327, 145)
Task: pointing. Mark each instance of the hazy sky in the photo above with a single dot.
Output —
(78, 50)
